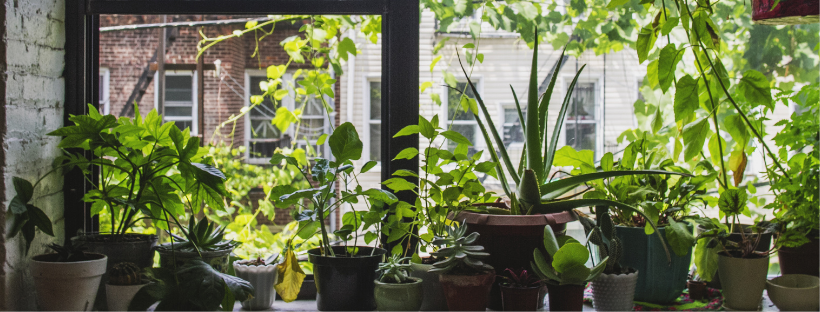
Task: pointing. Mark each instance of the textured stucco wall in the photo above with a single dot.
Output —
(32, 76)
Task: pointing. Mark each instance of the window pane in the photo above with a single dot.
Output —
(184, 111)
(314, 107)
(512, 127)
(311, 129)
(581, 136)
(375, 100)
(454, 110)
(266, 108)
(376, 142)
(262, 129)
(100, 90)
(179, 88)
(469, 132)
(582, 105)
(182, 124)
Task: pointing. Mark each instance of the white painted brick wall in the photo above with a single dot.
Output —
(35, 94)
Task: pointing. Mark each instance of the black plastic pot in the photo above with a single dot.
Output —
(344, 282)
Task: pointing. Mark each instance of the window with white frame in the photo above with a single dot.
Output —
(262, 138)
(513, 132)
(374, 117)
(462, 121)
(314, 123)
(105, 102)
(180, 99)
(581, 124)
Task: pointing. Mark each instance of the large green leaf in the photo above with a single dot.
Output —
(559, 125)
(756, 88)
(533, 134)
(680, 238)
(645, 43)
(555, 189)
(550, 242)
(570, 256)
(686, 98)
(694, 136)
(345, 143)
(668, 62)
(706, 259)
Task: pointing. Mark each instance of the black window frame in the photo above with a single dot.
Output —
(400, 74)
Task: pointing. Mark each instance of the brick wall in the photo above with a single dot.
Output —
(34, 91)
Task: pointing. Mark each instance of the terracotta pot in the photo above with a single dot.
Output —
(510, 240)
(743, 281)
(787, 12)
(67, 286)
(399, 297)
(795, 292)
(614, 292)
(566, 297)
(520, 299)
(433, 295)
(345, 283)
(804, 259)
(467, 292)
(697, 290)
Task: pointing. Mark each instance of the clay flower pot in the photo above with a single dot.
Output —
(795, 292)
(520, 298)
(566, 297)
(467, 292)
(697, 290)
(119, 296)
(67, 286)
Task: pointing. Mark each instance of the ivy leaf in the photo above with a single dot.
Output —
(283, 118)
(668, 62)
(345, 143)
(686, 99)
(694, 135)
(756, 88)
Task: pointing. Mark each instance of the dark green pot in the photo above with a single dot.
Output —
(662, 282)
(219, 260)
(399, 297)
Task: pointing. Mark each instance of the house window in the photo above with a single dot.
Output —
(581, 125)
(462, 121)
(313, 124)
(513, 132)
(105, 103)
(374, 98)
(263, 137)
(180, 100)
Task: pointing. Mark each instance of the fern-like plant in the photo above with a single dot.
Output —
(459, 254)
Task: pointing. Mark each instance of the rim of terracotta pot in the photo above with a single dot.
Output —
(516, 220)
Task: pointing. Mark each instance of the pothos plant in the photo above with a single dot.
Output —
(448, 183)
(135, 159)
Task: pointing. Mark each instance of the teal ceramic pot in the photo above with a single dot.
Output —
(659, 282)
(399, 297)
(219, 260)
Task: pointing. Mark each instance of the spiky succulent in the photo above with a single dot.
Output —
(460, 256)
(124, 273)
(601, 233)
(394, 271)
(203, 236)
(70, 252)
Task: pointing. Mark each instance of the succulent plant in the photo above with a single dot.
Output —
(601, 233)
(203, 236)
(520, 278)
(70, 252)
(124, 273)
(567, 263)
(460, 256)
(394, 271)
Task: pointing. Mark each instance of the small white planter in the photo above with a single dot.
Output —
(262, 277)
(67, 286)
(120, 296)
(614, 292)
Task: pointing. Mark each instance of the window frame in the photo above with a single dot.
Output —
(366, 118)
(597, 121)
(105, 101)
(249, 73)
(194, 106)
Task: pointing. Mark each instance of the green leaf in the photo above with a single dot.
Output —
(645, 43)
(667, 64)
(368, 165)
(679, 237)
(755, 87)
(426, 128)
(409, 130)
(346, 46)
(381, 195)
(407, 153)
(570, 256)
(732, 202)
(657, 121)
(694, 136)
(399, 184)
(550, 243)
(345, 144)
(456, 137)
(433, 64)
(686, 98)
(607, 162)
(276, 71)
(468, 46)
(555, 189)
(23, 188)
(736, 127)
(616, 3)
(568, 156)
(706, 259)
(283, 118)
(450, 80)
(40, 220)
(322, 139)
(669, 25)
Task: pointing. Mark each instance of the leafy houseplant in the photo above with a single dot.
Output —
(201, 240)
(124, 281)
(614, 289)
(520, 290)
(465, 279)
(67, 279)
(395, 289)
(325, 175)
(565, 272)
(262, 276)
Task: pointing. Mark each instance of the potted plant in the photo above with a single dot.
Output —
(192, 286)
(344, 274)
(614, 289)
(67, 280)
(465, 279)
(520, 290)
(395, 289)
(565, 271)
(124, 281)
(262, 276)
(697, 287)
(201, 240)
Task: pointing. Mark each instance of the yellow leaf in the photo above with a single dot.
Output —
(290, 277)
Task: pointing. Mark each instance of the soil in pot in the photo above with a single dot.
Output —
(804, 259)
(467, 292)
(510, 240)
(743, 281)
(614, 292)
(399, 297)
(219, 260)
(344, 282)
(659, 281)
(520, 298)
(433, 295)
(697, 290)
(566, 297)
(67, 286)
(263, 277)
(795, 292)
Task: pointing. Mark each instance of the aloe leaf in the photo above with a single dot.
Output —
(567, 205)
(533, 134)
(501, 176)
(544, 111)
(559, 123)
(555, 189)
(518, 108)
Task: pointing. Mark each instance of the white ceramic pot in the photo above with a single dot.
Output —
(67, 286)
(614, 292)
(120, 296)
(795, 292)
(262, 277)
